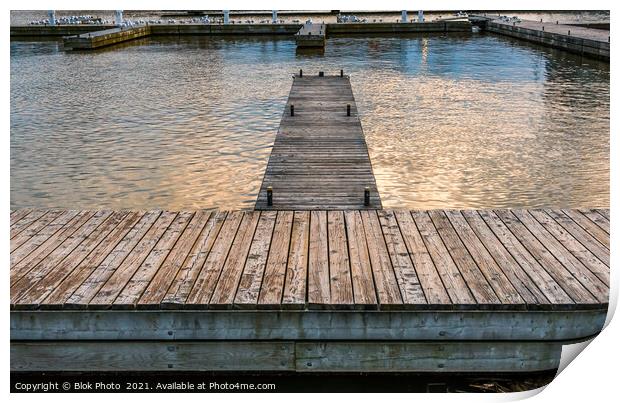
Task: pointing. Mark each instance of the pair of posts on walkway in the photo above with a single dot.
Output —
(403, 16)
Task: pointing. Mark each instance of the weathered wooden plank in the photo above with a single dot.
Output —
(451, 276)
(410, 287)
(139, 281)
(318, 261)
(86, 280)
(388, 291)
(597, 218)
(560, 274)
(280, 356)
(58, 294)
(545, 282)
(39, 286)
(210, 273)
(589, 226)
(163, 278)
(182, 284)
(593, 284)
(320, 325)
(394, 356)
(580, 234)
(17, 226)
(115, 284)
(59, 255)
(153, 356)
(502, 286)
(102, 272)
(275, 270)
(586, 257)
(18, 270)
(430, 280)
(226, 287)
(519, 277)
(477, 283)
(361, 270)
(17, 215)
(341, 287)
(252, 276)
(294, 295)
(604, 212)
(38, 232)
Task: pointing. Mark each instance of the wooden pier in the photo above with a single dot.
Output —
(311, 36)
(354, 290)
(319, 159)
(107, 37)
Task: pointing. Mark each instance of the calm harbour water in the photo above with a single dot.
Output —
(451, 121)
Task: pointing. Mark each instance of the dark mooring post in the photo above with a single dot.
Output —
(366, 196)
(321, 74)
(301, 73)
(292, 110)
(341, 73)
(269, 196)
(348, 110)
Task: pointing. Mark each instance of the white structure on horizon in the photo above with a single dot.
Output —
(118, 17)
(403, 16)
(274, 16)
(420, 16)
(226, 16)
(52, 17)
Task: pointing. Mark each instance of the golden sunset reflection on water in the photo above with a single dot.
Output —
(451, 121)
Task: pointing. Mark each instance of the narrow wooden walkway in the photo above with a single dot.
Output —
(404, 260)
(319, 159)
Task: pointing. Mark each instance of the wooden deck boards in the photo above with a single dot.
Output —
(319, 160)
(353, 259)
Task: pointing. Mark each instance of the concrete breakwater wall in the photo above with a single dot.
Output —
(231, 29)
(398, 28)
(248, 29)
(562, 37)
(93, 37)
(55, 30)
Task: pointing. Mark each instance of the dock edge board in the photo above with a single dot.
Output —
(306, 325)
(285, 356)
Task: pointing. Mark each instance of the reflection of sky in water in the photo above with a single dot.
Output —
(451, 121)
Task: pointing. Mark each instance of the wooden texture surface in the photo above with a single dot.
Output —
(319, 159)
(352, 259)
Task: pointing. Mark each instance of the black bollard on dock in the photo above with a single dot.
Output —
(366, 196)
(292, 110)
(321, 74)
(269, 196)
(348, 110)
(341, 73)
(301, 73)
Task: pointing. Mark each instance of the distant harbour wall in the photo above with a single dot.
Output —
(249, 29)
(587, 42)
(574, 44)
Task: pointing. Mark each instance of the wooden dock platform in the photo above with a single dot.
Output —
(355, 290)
(106, 37)
(311, 36)
(319, 160)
